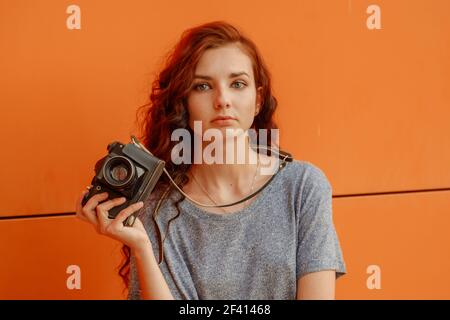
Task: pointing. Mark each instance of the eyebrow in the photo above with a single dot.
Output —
(232, 75)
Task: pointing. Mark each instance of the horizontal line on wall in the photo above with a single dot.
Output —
(389, 193)
(44, 215)
(65, 214)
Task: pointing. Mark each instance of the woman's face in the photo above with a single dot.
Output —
(224, 85)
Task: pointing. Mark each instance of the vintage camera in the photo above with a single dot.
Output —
(130, 171)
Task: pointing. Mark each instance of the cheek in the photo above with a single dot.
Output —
(196, 110)
(196, 102)
(192, 105)
(250, 105)
(250, 111)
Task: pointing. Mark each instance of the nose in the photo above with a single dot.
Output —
(222, 98)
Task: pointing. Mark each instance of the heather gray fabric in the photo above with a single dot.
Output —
(256, 253)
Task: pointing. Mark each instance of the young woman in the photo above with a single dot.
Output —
(279, 244)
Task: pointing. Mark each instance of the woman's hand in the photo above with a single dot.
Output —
(96, 214)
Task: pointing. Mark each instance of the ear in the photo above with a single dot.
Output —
(258, 100)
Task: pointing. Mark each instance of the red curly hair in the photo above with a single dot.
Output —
(167, 108)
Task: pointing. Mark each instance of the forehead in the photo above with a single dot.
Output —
(224, 60)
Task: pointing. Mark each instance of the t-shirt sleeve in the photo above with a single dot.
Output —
(133, 284)
(318, 245)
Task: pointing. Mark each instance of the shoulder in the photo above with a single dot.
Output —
(307, 175)
(308, 184)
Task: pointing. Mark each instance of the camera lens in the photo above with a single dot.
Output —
(118, 171)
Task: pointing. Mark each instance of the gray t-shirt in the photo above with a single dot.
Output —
(256, 253)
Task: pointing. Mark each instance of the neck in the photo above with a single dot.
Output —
(231, 176)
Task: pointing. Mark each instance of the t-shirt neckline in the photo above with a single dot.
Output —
(193, 209)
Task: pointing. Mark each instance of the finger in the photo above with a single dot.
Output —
(138, 224)
(108, 205)
(102, 220)
(102, 212)
(89, 209)
(78, 206)
(95, 200)
(128, 211)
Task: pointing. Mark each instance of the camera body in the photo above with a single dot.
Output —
(127, 171)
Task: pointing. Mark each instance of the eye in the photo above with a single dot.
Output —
(240, 84)
(201, 86)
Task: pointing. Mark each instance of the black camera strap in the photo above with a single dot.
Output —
(284, 156)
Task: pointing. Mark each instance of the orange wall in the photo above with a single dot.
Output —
(370, 107)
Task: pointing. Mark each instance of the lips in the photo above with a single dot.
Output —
(223, 118)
